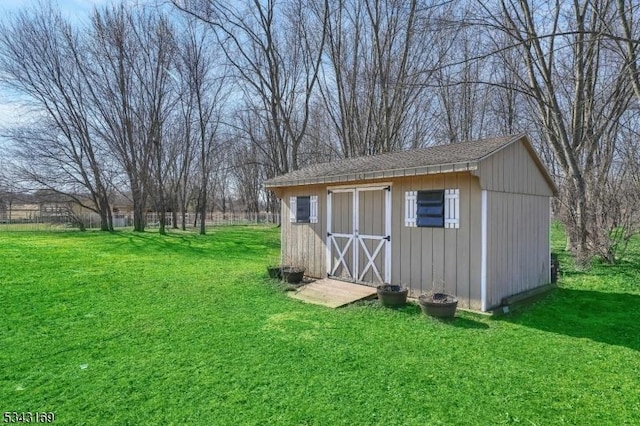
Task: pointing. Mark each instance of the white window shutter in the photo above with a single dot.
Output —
(452, 208)
(313, 209)
(410, 208)
(293, 209)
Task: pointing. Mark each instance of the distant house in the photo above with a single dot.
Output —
(472, 217)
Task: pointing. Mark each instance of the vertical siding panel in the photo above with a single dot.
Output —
(309, 230)
(450, 245)
(512, 248)
(285, 236)
(321, 237)
(491, 244)
(506, 162)
(301, 256)
(381, 258)
(496, 173)
(463, 243)
(379, 209)
(416, 245)
(474, 227)
(518, 215)
(397, 223)
(498, 255)
(437, 241)
(520, 238)
(493, 256)
(425, 238)
(405, 246)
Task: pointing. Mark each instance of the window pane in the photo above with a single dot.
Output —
(432, 222)
(430, 209)
(303, 209)
(431, 196)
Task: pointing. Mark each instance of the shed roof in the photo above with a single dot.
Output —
(454, 157)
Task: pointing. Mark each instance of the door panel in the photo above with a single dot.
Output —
(358, 234)
(371, 231)
(341, 241)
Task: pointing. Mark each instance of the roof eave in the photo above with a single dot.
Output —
(380, 174)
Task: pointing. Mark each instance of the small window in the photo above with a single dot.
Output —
(432, 209)
(304, 209)
(430, 212)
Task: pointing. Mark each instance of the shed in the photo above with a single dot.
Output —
(472, 217)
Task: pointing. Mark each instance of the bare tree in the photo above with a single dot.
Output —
(579, 93)
(131, 59)
(39, 59)
(381, 55)
(206, 92)
(275, 51)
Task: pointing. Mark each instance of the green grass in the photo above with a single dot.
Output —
(128, 328)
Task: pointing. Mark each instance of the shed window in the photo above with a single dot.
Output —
(430, 209)
(304, 209)
(433, 209)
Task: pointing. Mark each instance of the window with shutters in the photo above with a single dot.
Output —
(304, 209)
(433, 209)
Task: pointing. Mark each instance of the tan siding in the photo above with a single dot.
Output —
(303, 243)
(513, 170)
(397, 226)
(424, 238)
(422, 255)
(421, 248)
(463, 243)
(404, 240)
(451, 246)
(474, 227)
(438, 242)
(518, 244)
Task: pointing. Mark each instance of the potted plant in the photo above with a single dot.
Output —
(275, 271)
(438, 304)
(392, 296)
(292, 274)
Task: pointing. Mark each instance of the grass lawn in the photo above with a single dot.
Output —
(128, 328)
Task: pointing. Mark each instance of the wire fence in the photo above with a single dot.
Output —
(38, 222)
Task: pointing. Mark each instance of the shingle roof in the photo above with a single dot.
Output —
(454, 157)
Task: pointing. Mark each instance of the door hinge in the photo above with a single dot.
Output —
(388, 238)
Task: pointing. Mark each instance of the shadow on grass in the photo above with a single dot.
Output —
(468, 323)
(465, 322)
(239, 244)
(611, 318)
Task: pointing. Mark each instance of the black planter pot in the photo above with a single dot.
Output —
(275, 272)
(392, 296)
(292, 275)
(438, 305)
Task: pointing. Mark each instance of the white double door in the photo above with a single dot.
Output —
(359, 234)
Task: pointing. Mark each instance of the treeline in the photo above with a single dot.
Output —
(173, 104)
